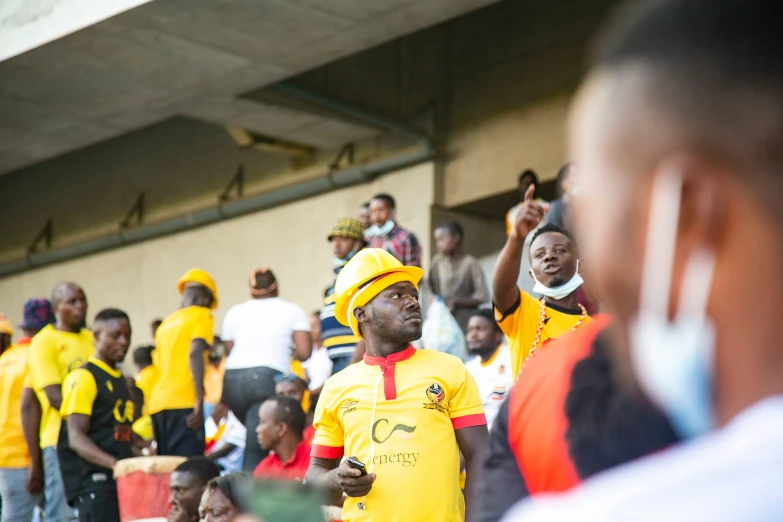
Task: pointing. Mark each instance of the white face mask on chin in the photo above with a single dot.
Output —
(673, 360)
(559, 292)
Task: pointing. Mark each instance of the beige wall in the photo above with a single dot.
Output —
(291, 240)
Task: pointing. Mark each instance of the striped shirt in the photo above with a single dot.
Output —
(338, 340)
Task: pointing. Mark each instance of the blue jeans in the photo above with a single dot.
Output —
(18, 504)
(56, 508)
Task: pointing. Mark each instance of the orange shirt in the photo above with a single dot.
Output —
(537, 421)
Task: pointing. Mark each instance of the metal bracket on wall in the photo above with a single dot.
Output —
(136, 211)
(44, 235)
(347, 153)
(237, 182)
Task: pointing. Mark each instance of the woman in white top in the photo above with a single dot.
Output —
(260, 336)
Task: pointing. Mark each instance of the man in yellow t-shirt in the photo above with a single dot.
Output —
(54, 352)
(146, 378)
(529, 323)
(182, 344)
(21, 469)
(406, 414)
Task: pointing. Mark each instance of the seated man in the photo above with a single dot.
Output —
(280, 426)
(98, 413)
(292, 386)
(187, 484)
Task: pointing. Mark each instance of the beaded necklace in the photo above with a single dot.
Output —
(541, 319)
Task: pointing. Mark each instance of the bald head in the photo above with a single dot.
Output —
(704, 75)
(70, 306)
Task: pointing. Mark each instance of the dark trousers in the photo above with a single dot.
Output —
(174, 437)
(98, 502)
(244, 391)
(340, 363)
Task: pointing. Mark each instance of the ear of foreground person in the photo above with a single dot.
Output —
(677, 132)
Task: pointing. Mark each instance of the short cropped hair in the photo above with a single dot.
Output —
(201, 467)
(289, 411)
(454, 228)
(142, 356)
(108, 314)
(489, 315)
(549, 228)
(529, 173)
(386, 198)
(713, 71)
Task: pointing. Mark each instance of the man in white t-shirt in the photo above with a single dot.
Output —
(261, 336)
(678, 134)
(491, 364)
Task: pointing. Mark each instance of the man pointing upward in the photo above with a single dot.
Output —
(406, 414)
(528, 323)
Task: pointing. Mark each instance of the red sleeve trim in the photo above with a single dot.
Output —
(468, 421)
(326, 452)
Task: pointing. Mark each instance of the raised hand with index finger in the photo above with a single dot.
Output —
(529, 216)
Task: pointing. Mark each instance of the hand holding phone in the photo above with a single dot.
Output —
(353, 479)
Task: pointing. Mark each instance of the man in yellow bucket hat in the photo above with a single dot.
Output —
(182, 343)
(403, 415)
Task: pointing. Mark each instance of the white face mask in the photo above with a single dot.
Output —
(375, 230)
(674, 360)
(559, 292)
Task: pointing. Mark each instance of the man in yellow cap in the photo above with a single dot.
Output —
(182, 342)
(343, 347)
(403, 415)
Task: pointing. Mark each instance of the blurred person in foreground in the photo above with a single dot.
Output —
(97, 414)
(260, 335)
(54, 352)
(281, 423)
(225, 498)
(182, 343)
(21, 468)
(530, 323)
(490, 365)
(343, 347)
(421, 408)
(678, 131)
(457, 277)
(567, 418)
(387, 234)
(187, 484)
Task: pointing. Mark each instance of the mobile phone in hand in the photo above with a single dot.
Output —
(356, 464)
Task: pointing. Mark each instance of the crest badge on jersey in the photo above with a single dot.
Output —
(435, 394)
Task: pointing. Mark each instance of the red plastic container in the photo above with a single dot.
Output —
(143, 486)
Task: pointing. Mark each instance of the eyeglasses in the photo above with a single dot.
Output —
(289, 377)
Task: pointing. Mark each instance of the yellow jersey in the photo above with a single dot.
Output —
(13, 371)
(174, 389)
(52, 355)
(213, 382)
(398, 416)
(146, 381)
(521, 322)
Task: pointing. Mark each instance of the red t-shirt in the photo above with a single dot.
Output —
(296, 467)
(308, 434)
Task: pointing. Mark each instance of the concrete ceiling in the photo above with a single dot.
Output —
(192, 58)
